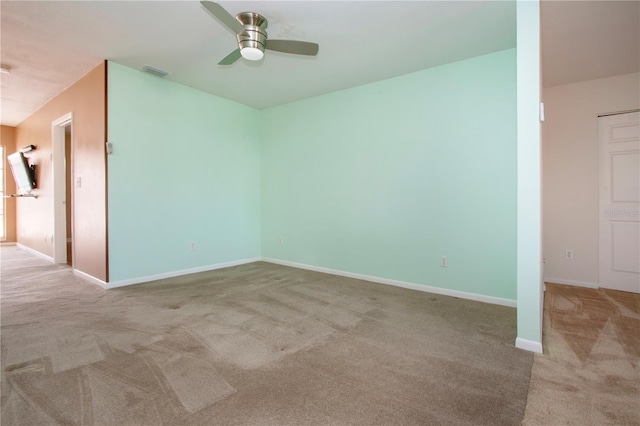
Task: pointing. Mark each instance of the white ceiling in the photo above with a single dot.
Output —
(49, 45)
(585, 40)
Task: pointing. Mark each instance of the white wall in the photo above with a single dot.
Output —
(529, 270)
(570, 172)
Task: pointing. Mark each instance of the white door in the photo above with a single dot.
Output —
(619, 267)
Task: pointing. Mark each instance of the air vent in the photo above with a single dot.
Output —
(155, 71)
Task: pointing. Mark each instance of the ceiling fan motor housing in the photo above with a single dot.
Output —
(254, 34)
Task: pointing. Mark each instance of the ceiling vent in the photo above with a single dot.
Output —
(155, 71)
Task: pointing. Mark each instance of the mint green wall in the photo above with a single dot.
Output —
(380, 179)
(185, 167)
(385, 178)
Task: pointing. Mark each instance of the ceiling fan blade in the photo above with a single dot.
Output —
(293, 46)
(230, 58)
(223, 16)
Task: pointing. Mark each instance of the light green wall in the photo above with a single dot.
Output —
(379, 180)
(385, 178)
(185, 167)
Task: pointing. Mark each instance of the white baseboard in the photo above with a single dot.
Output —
(571, 282)
(35, 252)
(90, 278)
(412, 286)
(172, 274)
(529, 345)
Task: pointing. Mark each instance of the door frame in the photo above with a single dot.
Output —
(59, 188)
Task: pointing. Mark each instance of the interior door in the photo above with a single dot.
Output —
(619, 265)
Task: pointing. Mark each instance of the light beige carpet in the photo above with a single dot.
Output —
(590, 372)
(258, 344)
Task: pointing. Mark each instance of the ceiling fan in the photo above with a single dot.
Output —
(252, 37)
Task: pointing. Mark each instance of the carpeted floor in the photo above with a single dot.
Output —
(590, 372)
(258, 344)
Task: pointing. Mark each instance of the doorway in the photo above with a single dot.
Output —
(68, 192)
(619, 228)
(62, 157)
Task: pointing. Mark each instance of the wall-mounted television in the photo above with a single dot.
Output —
(23, 173)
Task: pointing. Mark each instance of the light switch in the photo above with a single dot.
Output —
(78, 182)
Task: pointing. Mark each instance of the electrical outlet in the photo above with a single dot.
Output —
(444, 262)
(281, 241)
(568, 254)
(192, 246)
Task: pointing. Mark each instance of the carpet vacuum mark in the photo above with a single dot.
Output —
(256, 344)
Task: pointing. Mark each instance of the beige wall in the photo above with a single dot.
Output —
(86, 100)
(570, 172)
(8, 140)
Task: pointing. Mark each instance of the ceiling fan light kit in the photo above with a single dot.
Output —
(252, 53)
(250, 29)
(252, 40)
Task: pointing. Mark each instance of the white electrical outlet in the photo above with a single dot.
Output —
(568, 254)
(281, 241)
(192, 246)
(444, 262)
